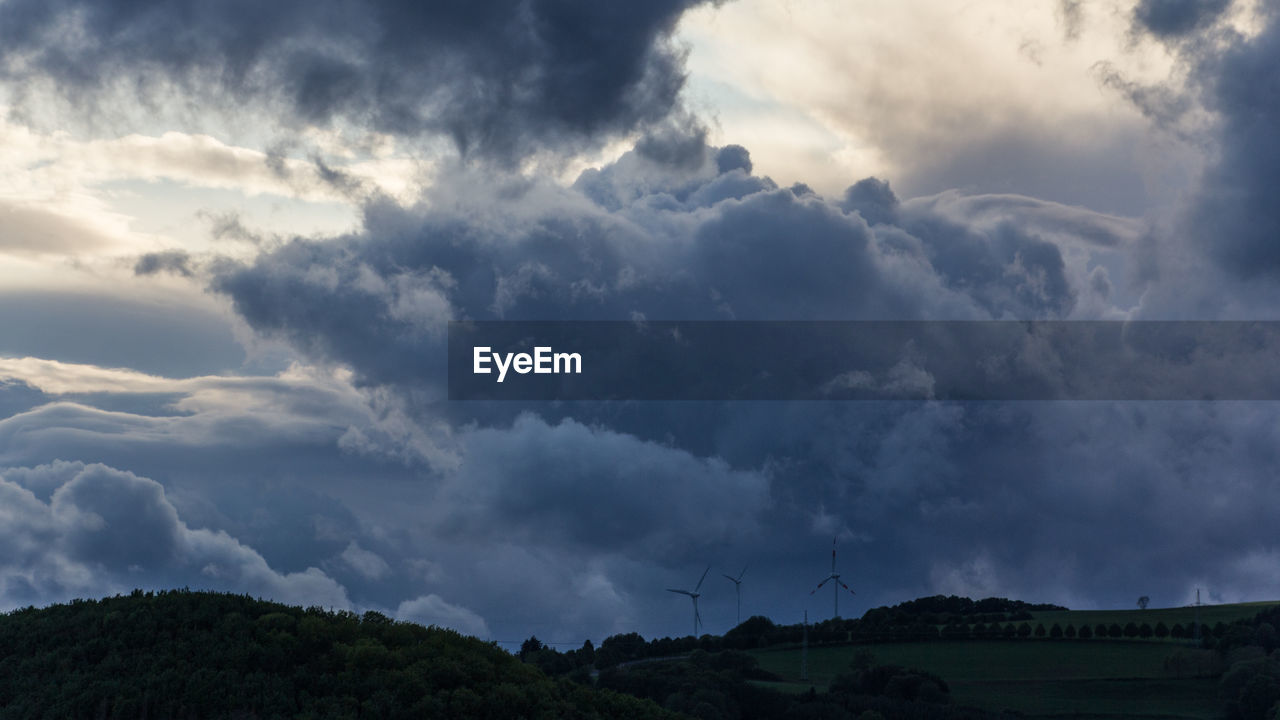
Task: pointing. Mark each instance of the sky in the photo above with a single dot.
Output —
(232, 236)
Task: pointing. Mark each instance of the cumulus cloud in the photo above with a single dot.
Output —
(651, 235)
(104, 530)
(434, 610)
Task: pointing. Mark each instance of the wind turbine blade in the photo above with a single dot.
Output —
(824, 582)
(704, 577)
(731, 578)
(833, 556)
(846, 587)
(682, 592)
(744, 572)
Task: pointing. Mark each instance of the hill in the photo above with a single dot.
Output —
(1143, 665)
(187, 654)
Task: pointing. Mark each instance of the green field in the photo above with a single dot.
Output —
(1041, 677)
(1035, 677)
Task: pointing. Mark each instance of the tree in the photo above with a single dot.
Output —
(530, 646)
(1024, 630)
(1162, 631)
(1143, 602)
(1056, 631)
(1039, 630)
(1085, 632)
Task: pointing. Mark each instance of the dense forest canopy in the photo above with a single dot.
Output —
(183, 654)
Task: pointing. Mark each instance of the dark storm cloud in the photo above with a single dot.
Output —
(644, 499)
(500, 78)
(1236, 213)
(1230, 94)
(1172, 18)
(685, 233)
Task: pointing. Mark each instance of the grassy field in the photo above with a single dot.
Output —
(1038, 678)
(1045, 678)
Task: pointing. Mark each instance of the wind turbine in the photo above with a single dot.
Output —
(697, 619)
(737, 587)
(835, 587)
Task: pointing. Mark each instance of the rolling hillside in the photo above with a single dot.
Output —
(204, 655)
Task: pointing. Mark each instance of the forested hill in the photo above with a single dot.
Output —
(187, 654)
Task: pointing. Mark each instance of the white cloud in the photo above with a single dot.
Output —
(435, 610)
(833, 91)
(368, 564)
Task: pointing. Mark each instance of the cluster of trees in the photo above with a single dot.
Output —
(720, 686)
(204, 655)
(1250, 651)
(954, 610)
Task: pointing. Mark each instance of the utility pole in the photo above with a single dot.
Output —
(1197, 616)
(804, 652)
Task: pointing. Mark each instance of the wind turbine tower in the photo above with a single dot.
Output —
(835, 586)
(737, 587)
(694, 595)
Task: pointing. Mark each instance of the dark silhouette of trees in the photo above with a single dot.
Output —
(1143, 602)
(181, 654)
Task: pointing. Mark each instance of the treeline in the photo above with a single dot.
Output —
(195, 655)
(760, 632)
